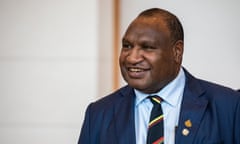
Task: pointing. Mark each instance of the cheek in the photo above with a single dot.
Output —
(121, 58)
(159, 65)
(155, 60)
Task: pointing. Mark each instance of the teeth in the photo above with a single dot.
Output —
(135, 70)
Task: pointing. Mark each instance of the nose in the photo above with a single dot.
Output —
(135, 56)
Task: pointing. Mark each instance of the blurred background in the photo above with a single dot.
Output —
(57, 56)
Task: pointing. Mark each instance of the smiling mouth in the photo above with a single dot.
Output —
(137, 73)
(135, 70)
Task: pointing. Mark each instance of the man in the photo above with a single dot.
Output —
(194, 111)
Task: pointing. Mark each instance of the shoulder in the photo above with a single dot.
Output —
(109, 101)
(212, 91)
(219, 91)
(115, 96)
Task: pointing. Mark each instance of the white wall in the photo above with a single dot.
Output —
(105, 47)
(211, 35)
(48, 69)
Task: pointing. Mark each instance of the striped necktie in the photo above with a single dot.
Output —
(155, 126)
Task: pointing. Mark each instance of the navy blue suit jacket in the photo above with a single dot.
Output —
(214, 112)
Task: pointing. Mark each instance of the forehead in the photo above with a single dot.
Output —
(147, 28)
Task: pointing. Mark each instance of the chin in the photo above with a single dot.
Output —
(139, 87)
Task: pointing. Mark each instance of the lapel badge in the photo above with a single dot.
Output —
(185, 132)
(188, 123)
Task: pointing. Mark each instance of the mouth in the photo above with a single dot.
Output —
(136, 72)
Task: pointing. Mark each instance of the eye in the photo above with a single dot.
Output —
(127, 45)
(147, 47)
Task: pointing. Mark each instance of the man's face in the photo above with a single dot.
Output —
(148, 59)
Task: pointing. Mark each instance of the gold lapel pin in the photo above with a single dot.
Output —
(188, 123)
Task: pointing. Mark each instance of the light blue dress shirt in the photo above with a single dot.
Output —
(172, 96)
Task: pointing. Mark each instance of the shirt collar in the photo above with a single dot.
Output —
(171, 93)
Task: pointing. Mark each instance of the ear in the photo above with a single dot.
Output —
(178, 51)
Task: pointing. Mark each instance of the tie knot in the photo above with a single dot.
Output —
(155, 99)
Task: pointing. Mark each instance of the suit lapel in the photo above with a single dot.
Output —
(192, 110)
(124, 117)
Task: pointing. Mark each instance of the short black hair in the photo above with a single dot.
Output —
(173, 23)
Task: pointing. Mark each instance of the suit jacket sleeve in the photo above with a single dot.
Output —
(110, 120)
(237, 125)
(85, 131)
